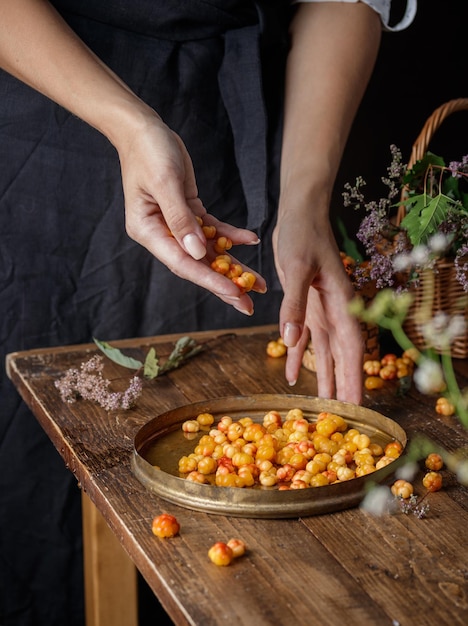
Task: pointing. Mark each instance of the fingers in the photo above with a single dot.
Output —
(293, 307)
(164, 246)
(338, 347)
(294, 358)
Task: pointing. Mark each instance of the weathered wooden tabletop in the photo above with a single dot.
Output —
(347, 567)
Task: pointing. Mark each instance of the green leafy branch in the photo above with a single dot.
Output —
(185, 348)
(425, 215)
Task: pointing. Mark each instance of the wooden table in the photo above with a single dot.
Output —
(348, 567)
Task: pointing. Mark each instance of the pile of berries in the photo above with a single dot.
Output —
(224, 264)
(391, 367)
(289, 453)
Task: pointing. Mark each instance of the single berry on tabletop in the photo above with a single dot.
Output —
(165, 525)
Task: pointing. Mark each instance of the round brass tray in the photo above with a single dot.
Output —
(160, 443)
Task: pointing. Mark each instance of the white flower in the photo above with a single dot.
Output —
(402, 262)
(442, 330)
(378, 501)
(462, 472)
(439, 243)
(420, 255)
(407, 471)
(457, 326)
(429, 377)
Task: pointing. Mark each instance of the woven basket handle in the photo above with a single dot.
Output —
(422, 142)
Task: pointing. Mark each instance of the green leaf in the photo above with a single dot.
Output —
(349, 246)
(115, 355)
(415, 177)
(425, 216)
(151, 366)
(184, 349)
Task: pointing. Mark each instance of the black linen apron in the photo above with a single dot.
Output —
(69, 272)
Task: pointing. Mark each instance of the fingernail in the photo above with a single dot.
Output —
(228, 299)
(241, 310)
(291, 334)
(291, 383)
(253, 243)
(194, 246)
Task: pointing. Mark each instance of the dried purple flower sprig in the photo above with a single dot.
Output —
(89, 383)
(413, 505)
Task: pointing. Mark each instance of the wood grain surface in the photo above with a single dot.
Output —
(347, 567)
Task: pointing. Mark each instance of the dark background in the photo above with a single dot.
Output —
(417, 70)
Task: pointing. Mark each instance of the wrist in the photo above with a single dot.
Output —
(124, 119)
(306, 199)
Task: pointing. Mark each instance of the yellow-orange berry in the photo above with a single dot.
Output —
(393, 449)
(384, 461)
(207, 465)
(245, 281)
(285, 473)
(444, 407)
(221, 264)
(345, 473)
(373, 382)
(276, 348)
(432, 481)
(237, 546)
(197, 477)
(222, 244)
(224, 423)
(388, 358)
(187, 464)
(388, 372)
(402, 488)
(205, 419)
(362, 441)
(191, 426)
(372, 368)
(234, 270)
(434, 462)
(413, 354)
(165, 525)
(209, 231)
(272, 418)
(220, 553)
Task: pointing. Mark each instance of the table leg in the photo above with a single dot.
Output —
(110, 576)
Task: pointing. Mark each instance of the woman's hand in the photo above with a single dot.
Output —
(38, 47)
(316, 294)
(162, 203)
(333, 49)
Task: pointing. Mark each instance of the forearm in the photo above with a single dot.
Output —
(39, 48)
(334, 47)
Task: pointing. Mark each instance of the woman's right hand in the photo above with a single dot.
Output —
(162, 204)
(38, 47)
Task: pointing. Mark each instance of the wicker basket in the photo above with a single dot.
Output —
(439, 288)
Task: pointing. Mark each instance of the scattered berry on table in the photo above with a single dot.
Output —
(165, 525)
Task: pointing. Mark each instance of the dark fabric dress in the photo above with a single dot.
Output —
(69, 272)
